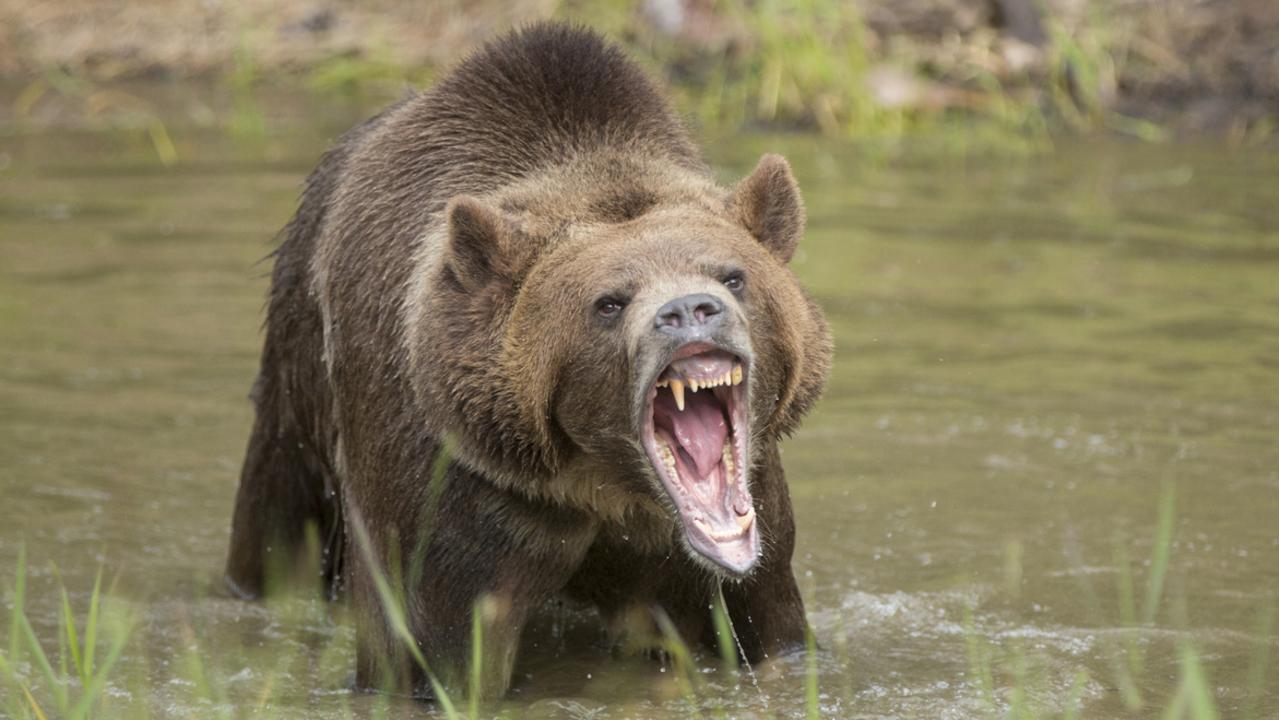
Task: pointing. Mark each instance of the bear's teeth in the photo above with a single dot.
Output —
(668, 459)
(677, 389)
(729, 468)
(737, 374)
(730, 535)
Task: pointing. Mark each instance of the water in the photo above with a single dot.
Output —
(1029, 351)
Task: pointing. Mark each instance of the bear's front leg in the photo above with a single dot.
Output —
(479, 552)
(766, 608)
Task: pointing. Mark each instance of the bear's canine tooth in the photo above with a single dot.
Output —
(737, 374)
(745, 521)
(677, 389)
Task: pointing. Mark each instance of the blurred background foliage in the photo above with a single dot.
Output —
(1014, 72)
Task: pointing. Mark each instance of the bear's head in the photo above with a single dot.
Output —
(618, 335)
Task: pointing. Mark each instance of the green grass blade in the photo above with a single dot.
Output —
(35, 707)
(1162, 549)
(56, 684)
(12, 705)
(724, 635)
(196, 672)
(19, 593)
(93, 689)
(1124, 584)
(1018, 699)
(73, 642)
(162, 142)
(812, 695)
(91, 624)
(1075, 698)
(395, 614)
(429, 508)
(1176, 709)
(979, 660)
(1260, 662)
(61, 634)
(1127, 607)
(477, 659)
(683, 659)
(1199, 694)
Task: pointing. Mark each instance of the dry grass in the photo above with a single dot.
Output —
(875, 67)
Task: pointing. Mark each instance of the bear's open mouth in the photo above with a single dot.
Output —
(695, 433)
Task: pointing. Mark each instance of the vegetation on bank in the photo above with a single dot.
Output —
(873, 70)
(81, 674)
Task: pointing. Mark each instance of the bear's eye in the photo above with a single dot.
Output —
(734, 281)
(609, 307)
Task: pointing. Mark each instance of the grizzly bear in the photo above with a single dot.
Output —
(520, 346)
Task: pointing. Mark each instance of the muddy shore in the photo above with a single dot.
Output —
(1185, 65)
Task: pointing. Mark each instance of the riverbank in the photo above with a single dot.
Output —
(875, 68)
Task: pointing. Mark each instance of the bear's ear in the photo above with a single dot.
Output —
(767, 202)
(478, 238)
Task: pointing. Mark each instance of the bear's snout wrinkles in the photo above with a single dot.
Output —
(691, 317)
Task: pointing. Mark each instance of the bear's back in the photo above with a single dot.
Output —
(542, 94)
(530, 99)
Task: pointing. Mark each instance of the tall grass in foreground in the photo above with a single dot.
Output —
(78, 674)
(1194, 696)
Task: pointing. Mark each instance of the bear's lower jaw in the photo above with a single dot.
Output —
(697, 443)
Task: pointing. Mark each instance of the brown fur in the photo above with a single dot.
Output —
(437, 286)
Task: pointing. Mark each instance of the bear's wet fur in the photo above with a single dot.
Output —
(460, 348)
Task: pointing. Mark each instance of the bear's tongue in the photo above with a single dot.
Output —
(702, 467)
(700, 428)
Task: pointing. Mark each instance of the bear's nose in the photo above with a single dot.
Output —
(690, 316)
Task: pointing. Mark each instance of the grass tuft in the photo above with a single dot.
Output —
(1162, 551)
(92, 639)
(724, 638)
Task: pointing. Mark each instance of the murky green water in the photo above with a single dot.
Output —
(1028, 351)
